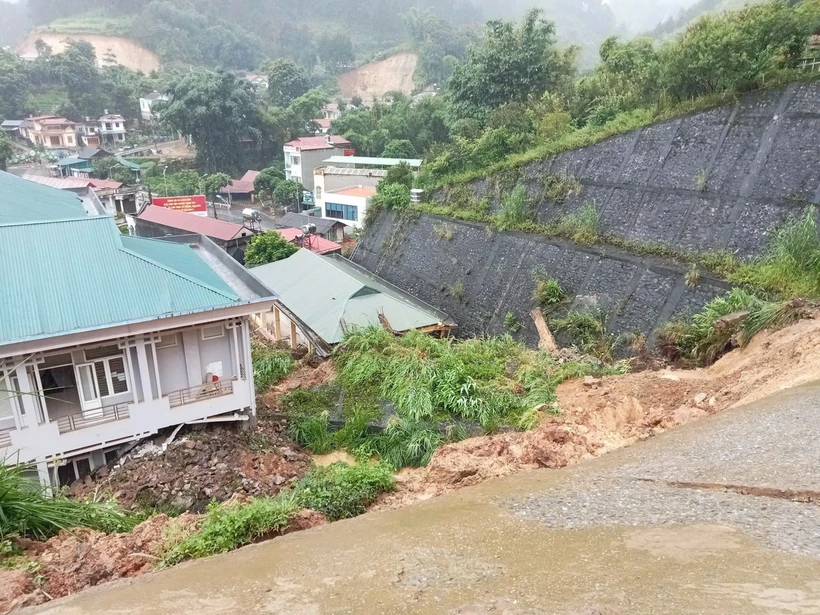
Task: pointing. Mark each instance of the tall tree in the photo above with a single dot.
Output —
(286, 81)
(6, 151)
(268, 247)
(216, 109)
(14, 86)
(335, 52)
(514, 63)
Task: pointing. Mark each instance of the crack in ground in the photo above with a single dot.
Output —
(803, 496)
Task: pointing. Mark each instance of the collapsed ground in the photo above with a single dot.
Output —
(597, 415)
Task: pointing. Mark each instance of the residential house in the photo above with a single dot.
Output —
(31, 126)
(328, 178)
(241, 189)
(88, 133)
(331, 111)
(52, 133)
(112, 130)
(99, 196)
(312, 242)
(323, 126)
(106, 339)
(82, 163)
(332, 295)
(156, 221)
(304, 155)
(11, 128)
(258, 81)
(147, 104)
(347, 204)
(332, 230)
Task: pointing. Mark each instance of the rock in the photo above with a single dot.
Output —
(700, 398)
(590, 381)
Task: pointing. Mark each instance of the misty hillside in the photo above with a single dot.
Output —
(241, 33)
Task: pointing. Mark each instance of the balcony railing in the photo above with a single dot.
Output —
(5, 437)
(82, 420)
(201, 393)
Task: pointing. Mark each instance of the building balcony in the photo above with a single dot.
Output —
(92, 418)
(201, 393)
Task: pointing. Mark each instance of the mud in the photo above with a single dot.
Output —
(129, 52)
(395, 74)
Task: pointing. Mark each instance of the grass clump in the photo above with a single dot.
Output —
(559, 188)
(707, 335)
(516, 210)
(340, 491)
(27, 509)
(588, 330)
(269, 365)
(790, 265)
(549, 293)
(512, 323)
(692, 276)
(457, 291)
(580, 226)
(701, 181)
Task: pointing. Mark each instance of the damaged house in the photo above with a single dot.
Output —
(106, 339)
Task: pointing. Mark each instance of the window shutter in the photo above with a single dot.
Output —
(102, 381)
(119, 383)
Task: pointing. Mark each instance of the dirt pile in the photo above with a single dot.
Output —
(600, 415)
(212, 463)
(395, 74)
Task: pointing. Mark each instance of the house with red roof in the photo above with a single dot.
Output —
(305, 154)
(241, 189)
(157, 221)
(314, 243)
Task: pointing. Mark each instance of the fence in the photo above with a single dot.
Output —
(81, 420)
(200, 393)
(810, 64)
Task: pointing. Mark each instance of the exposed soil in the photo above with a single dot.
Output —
(378, 78)
(598, 416)
(129, 52)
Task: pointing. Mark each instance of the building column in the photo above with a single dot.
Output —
(145, 374)
(26, 400)
(277, 323)
(293, 341)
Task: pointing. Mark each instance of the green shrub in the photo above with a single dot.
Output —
(340, 491)
(588, 329)
(27, 509)
(228, 527)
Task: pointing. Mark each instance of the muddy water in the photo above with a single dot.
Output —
(464, 553)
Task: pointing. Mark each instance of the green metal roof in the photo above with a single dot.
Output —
(184, 259)
(81, 274)
(25, 201)
(127, 163)
(70, 160)
(323, 292)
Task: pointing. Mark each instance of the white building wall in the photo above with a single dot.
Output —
(343, 199)
(152, 386)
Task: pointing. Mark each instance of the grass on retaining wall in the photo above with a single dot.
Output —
(622, 123)
(789, 266)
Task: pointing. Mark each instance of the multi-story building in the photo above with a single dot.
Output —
(111, 130)
(147, 103)
(304, 155)
(106, 338)
(50, 132)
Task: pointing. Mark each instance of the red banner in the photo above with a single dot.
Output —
(188, 204)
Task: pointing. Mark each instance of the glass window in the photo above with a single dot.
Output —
(212, 332)
(169, 340)
(342, 212)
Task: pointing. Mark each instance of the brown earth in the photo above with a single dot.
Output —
(598, 416)
(129, 52)
(378, 78)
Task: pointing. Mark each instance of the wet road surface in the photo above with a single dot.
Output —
(644, 530)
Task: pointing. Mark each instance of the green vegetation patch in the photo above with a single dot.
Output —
(269, 365)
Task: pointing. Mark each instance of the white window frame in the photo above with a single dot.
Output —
(212, 337)
(161, 344)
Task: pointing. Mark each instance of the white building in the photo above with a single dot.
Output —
(147, 103)
(304, 155)
(112, 130)
(106, 339)
(347, 204)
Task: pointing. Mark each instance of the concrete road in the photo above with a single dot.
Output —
(644, 530)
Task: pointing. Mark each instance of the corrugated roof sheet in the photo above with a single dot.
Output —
(376, 162)
(317, 244)
(243, 185)
(26, 201)
(61, 183)
(350, 171)
(313, 143)
(203, 225)
(323, 225)
(324, 291)
(86, 275)
(360, 191)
